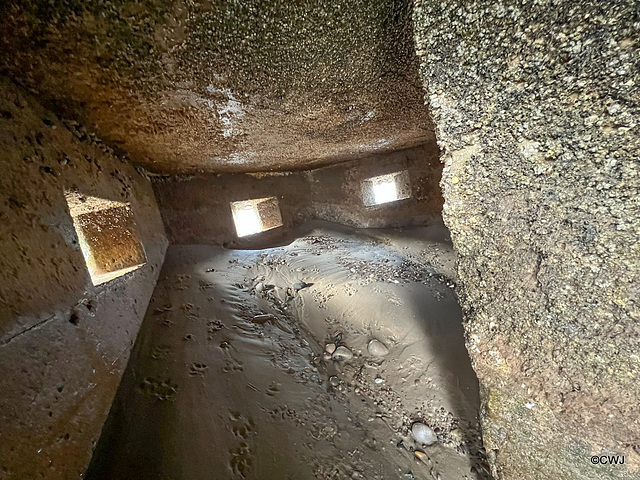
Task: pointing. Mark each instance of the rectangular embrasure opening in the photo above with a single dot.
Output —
(256, 215)
(386, 188)
(108, 236)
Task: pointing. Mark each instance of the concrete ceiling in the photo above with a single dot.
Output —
(216, 86)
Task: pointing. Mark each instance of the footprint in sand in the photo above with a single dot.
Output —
(241, 458)
(160, 352)
(197, 369)
(231, 364)
(160, 389)
(273, 389)
(213, 326)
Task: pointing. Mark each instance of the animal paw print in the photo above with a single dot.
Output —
(241, 460)
(197, 369)
(241, 426)
(350, 290)
(205, 285)
(273, 389)
(160, 352)
(233, 365)
(213, 327)
(167, 322)
(182, 282)
(160, 389)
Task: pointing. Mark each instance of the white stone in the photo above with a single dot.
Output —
(377, 348)
(423, 434)
(342, 354)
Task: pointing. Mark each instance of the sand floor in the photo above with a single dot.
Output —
(232, 377)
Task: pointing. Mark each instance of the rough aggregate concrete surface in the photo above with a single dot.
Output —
(64, 342)
(214, 85)
(196, 208)
(536, 110)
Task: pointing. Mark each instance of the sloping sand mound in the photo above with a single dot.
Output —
(312, 360)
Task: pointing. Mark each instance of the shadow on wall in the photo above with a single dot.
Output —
(64, 341)
(395, 190)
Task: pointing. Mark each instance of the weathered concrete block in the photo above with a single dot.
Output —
(536, 110)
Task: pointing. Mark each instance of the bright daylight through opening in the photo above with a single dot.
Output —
(386, 188)
(255, 216)
(108, 236)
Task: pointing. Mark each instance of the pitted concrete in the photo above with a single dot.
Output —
(226, 86)
(536, 111)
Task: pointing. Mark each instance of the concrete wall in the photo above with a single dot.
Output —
(196, 209)
(63, 342)
(536, 107)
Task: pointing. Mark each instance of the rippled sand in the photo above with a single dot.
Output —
(232, 376)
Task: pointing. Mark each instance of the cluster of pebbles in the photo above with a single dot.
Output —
(340, 353)
(353, 372)
(419, 432)
(337, 352)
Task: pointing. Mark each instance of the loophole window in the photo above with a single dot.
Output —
(255, 216)
(386, 188)
(108, 236)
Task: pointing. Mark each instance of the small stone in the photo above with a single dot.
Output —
(263, 318)
(378, 380)
(259, 288)
(334, 381)
(326, 356)
(342, 354)
(377, 348)
(330, 348)
(456, 435)
(420, 456)
(423, 434)
(297, 286)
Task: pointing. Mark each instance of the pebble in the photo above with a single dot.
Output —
(330, 348)
(334, 381)
(377, 348)
(420, 455)
(456, 435)
(297, 286)
(326, 356)
(259, 288)
(263, 318)
(342, 354)
(378, 380)
(423, 434)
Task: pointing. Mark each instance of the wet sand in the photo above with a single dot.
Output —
(232, 377)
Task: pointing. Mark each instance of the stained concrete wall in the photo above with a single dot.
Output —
(63, 342)
(219, 85)
(536, 106)
(196, 209)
